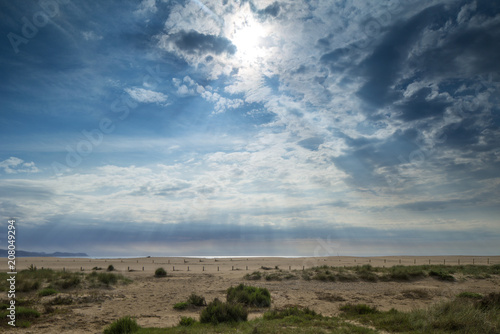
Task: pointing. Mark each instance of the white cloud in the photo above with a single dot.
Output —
(15, 165)
(91, 36)
(146, 7)
(146, 96)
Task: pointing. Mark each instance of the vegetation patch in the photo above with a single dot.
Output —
(461, 315)
(218, 312)
(123, 325)
(186, 321)
(416, 294)
(471, 295)
(47, 292)
(160, 272)
(181, 306)
(293, 311)
(255, 276)
(249, 296)
(106, 279)
(358, 309)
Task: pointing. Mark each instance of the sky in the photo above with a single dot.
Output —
(233, 127)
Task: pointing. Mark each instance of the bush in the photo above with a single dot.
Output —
(61, 300)
(107, 278)
(26, 313)
(217, 312)
(186, 321)
(160, 272)
(255, 276)
(470, 295)
(70, 282)
(111, 268)
(181, 306)
(290, 311)
(443, 276)
(358, 309)
(404, 273)
(249, 295)
(273, 277)
(47, 292)
(489, 302)
(123, 325)
(196, 300)
(28, 286)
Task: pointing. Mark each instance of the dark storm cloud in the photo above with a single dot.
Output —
(462, 54)
(193, 42)
(383, 67)
(420, 105)
(466, 51)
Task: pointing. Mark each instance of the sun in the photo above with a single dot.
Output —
(248, 36)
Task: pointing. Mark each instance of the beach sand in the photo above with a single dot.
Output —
(150, 299)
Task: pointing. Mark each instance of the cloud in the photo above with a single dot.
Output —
(91, 36)
(311, 143)
(15, 165)
(272, 10)
(195, 43)
(188, 87)
(146, 7)
(146, 96)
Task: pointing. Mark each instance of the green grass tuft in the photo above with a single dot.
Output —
(249, 295)
(181, 306)
(358, 309)
(471, 295)
(186, 321)
(218, 312)
(290, 311)
(47, 292)
(123, 325)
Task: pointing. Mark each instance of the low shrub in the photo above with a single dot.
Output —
(358, 309)
(123, 325)
(249, 295)
(61, 300)
(196, 300)
(111, 268)
(107, 278)
(273, 277)
(443, 276)
(255, 276)
(160, 272)
(186, 321)
(69, 282)
(490, 302)
(290, 311)
(470, 295)
(47, 292)
(181, 306)
(217, 312)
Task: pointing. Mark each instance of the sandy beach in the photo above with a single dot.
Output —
(150, 299)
